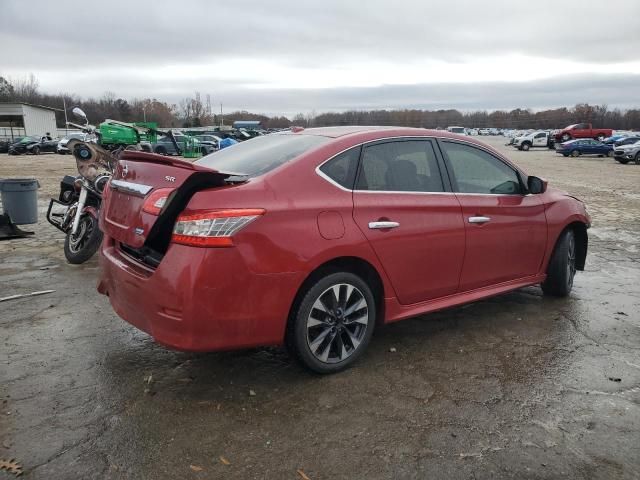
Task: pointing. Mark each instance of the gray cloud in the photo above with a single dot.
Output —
(88, 47)
(620, 91)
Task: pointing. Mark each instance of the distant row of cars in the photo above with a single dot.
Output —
(205, 144)
(582, 139)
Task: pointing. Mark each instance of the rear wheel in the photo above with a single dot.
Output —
(610, 153)
(333, 323)
(575, 153)
(161, 150)
(562, 267)
(81, 247)
(35, 150)
(637, 158)
(526, 146)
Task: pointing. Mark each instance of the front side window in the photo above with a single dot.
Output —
(476, 171)
(400, 166)
(541, 135)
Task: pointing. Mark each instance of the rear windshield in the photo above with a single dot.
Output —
(261, 154)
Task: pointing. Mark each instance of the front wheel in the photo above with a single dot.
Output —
(562, 267)
(333, 323)
(526, 147)
(575, 153)
(81, 247)
(610, 153)
(35, 150)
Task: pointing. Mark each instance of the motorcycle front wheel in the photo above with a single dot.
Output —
(81, 247)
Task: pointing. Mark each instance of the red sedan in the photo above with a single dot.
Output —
(312, 238)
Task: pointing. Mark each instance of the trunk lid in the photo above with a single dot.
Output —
(136, 177)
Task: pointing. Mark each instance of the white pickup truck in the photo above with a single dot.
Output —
(539, 138)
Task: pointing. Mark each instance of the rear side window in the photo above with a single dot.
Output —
(261, 154)
(342, 168)
(476, 171)
(401, 166)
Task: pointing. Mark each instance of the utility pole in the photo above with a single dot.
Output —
(64, 105)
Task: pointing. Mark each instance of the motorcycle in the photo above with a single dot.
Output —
(81, 196)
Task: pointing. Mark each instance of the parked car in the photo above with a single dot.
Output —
(5, 144)
(164, 145)
(62, 149)
(210, 143)
(458, 130)
(585, 146)
(33, 145)
(627, 153)
(614, 138)
(539, 138)
(483, 131)
(582, 130)
(312, 238)
(626, 141)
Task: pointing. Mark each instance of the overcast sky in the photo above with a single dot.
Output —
(278, 56)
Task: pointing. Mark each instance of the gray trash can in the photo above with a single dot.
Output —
(20, 199)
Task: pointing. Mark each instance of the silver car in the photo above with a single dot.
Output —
(62, 144)
(627, 153)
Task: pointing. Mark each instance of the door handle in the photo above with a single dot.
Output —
(479, 219)
(382, 225)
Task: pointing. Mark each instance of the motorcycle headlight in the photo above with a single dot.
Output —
(100, 183)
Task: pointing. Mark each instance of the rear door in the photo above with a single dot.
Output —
(506, 229)
(410, 217)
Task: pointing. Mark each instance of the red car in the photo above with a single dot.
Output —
(312, 238)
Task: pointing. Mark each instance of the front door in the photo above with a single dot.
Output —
(540, 140)
(414, 226)
(506, 229)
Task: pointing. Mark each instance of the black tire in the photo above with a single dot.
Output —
(562, 267)
(525, 146)
(35, 150)
(565, 154)
(637, 158)
(575, 153)
(86, 243)
(610, 153)
(321, 325)
(161, 150)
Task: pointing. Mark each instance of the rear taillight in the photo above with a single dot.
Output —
(155, 202)
(213, 228)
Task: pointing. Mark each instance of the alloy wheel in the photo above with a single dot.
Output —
(337, 323)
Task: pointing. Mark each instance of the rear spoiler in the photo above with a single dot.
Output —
(137, 156)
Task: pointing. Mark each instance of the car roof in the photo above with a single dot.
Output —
(377, 132)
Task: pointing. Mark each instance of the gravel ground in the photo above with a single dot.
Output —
(518, 386)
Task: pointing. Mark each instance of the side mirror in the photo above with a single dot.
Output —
(77, 111)
(536, 185)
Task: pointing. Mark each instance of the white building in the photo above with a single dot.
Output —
(20, 119)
